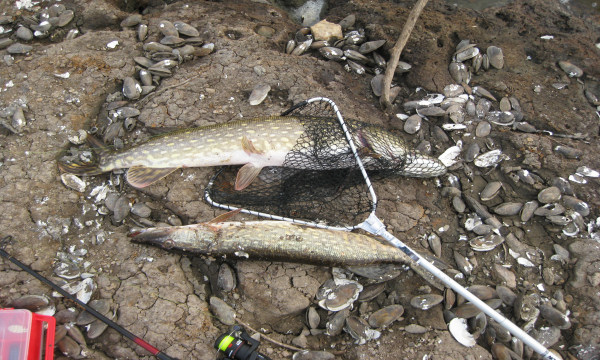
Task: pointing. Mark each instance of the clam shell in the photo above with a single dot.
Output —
(359, 329)
(384, 317)
(458, 329)
(335, 324)
(491, 190)
(489, 158)
(495, 56)
(339, 296)
(508, 209)
(486, 243)
(459, 72)
(332, 53)
(259, 93)
(185, 29)
(549, 195)
(578, 205)
(571, 69)
(466, 53)
(370, 46)
(167, 28)
(528, 210)
(426, 302)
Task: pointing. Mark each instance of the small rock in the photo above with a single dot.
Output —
(18, 48)
(23, 33)
(313, 355)
(226, 279)
(415, 329)
(222, 311)
(324, 30)
(412, 124)
(122, 208)
(141, 210)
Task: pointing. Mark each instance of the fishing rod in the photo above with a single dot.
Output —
(154, 351)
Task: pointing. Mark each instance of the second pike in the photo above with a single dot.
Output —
(258, 143)
(274, 241)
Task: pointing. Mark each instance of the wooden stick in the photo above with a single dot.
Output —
(397, 51)
(289, 347)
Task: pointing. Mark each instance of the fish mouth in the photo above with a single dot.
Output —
(156, 236)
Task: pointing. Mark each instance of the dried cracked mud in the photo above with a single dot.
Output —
(164, 297)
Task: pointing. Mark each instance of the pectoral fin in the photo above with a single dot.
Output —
(141, 176)
(248, 147)
(246, 175)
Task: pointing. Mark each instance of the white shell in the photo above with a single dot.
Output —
(489, 158)
(448, 158)
(458, 329)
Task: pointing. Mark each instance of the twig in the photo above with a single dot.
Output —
(397, 50)
(289, 347)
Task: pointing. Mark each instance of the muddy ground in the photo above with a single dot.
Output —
(163, 297)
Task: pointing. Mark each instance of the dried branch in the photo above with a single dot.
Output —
(397, 51)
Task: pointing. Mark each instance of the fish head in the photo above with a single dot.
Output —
(192, 238)
(382, 145)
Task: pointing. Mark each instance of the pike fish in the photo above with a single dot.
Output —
(274, 241)
(255, 143)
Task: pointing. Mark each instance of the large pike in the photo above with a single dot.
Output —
(274, 241)
(258, 143)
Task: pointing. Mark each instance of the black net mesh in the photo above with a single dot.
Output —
(320, 180)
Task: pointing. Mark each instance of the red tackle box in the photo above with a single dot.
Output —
(25, 335)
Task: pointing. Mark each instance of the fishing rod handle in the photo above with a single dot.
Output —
(447, 280)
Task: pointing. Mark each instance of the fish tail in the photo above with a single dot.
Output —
(88, 168)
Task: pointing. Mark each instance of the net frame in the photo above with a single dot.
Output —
(372, 224)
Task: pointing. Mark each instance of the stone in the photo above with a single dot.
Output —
(324, 30)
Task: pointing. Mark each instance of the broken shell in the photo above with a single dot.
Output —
(339, 296)
(463, 264)
(359, 329)
(259, 93)
(426, 302)
(384, 317)
(458, 329)
(486, 243)
(73, 182)
(491, 190)
(489, 158)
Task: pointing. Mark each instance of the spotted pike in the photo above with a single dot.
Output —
(255, 143)
(274, 241)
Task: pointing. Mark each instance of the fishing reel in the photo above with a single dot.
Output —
(238, 345)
